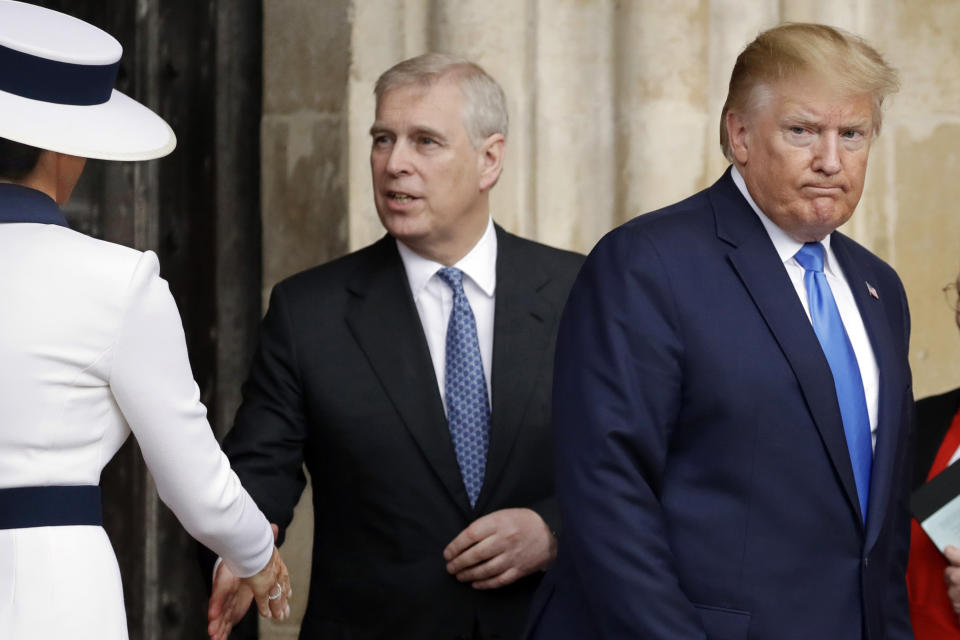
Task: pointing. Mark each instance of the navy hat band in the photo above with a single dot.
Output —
(37, 78)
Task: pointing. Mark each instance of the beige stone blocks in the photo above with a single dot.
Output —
(927, 232)
(304, 193)
(305, 53)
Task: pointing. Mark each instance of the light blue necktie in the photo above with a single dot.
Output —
(466, 389)
(843, 364)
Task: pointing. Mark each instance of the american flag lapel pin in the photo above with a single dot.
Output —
(872, 291)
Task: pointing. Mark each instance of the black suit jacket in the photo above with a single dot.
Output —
(934, 416)
(343, 382)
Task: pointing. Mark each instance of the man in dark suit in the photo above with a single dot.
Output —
(732, 397)
(413, 379)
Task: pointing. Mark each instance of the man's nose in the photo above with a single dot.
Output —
(399, 161)
(827, 158)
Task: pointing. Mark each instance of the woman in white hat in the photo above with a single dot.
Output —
(91, 348)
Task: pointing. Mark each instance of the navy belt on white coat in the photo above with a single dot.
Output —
(56, 506)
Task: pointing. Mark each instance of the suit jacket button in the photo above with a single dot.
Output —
(866, 563)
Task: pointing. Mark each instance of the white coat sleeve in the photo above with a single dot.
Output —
(153, 385)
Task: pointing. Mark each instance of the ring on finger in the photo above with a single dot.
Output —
(276, 592)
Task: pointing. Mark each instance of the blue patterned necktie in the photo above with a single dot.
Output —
(843, 364)
(466, 389)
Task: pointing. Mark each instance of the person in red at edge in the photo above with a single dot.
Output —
(934, 607)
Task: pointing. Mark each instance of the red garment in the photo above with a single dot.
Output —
(930, 609)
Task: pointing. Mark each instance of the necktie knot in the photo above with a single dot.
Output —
(453, 277)
(810, 256)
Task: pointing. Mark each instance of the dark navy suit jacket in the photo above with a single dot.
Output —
(704, 481)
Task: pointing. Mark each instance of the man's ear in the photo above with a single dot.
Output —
(491, 160)
(738, 133)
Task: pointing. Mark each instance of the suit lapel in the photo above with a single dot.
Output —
(385, 323)
(859, 276)
(520, 344)
(759, 267)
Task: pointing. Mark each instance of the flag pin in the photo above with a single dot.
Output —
(872, 291)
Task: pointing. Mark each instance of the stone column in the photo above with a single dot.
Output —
(663, 124)
(573, 174)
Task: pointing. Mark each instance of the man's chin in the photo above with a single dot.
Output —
(401, 224)
(834, 220)
(814, 226)
(823, 218)
(409, 234)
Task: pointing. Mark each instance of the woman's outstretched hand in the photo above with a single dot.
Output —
(231, 596)
(271, 588)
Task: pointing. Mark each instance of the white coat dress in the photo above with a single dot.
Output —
(91, 349)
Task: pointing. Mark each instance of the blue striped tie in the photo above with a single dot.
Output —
(843, 364)
(466, 388)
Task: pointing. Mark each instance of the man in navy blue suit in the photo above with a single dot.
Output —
(732, 395)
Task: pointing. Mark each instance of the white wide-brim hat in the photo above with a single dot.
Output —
(56, 89)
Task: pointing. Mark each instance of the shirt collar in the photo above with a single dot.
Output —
(786, 246)
(480, 264)
(23, 204)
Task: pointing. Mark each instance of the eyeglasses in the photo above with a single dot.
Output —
(952, 296)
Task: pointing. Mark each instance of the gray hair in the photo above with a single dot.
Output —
(485, 106)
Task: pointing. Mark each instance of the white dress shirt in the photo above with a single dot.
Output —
(787, 247)
(434, 300)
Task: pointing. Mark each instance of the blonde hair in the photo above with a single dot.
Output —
(485, 105)
(791, 49)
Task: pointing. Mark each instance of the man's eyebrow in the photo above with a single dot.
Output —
(378, 127)
(424, 130)
(803, 118)
(418, 130)
(861, 123)
(812, 120)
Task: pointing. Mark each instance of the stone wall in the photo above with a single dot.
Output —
(614, 111)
